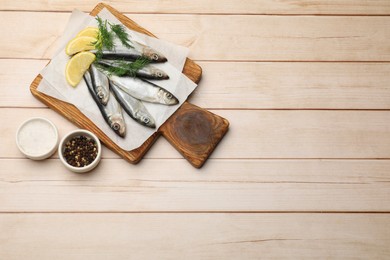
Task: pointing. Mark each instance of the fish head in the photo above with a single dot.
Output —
(153, 55)
(167, 97)
(157, 73)
(146, 119)
(118, 125)
(102, 94)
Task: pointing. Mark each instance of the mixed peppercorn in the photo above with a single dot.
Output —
(80, 151)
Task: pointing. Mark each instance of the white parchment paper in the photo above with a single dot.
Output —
(55, 85)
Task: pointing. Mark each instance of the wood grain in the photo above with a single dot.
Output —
(248, 38)
(256, 55)
(339, 7)
(162, 185)
(249, 85)
(194, 132)
(199, 236)
(258, 134)
(293, 85)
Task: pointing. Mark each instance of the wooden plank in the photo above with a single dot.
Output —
(258, 134)
(248, 85)
(305, 134)
(15, 79)
(293, 85)
(194, 236)
(355, 7)
(173, 185)
(248, 37)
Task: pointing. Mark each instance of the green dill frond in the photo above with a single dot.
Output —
(99, 54)
(105, 37)
(137, 65)
(126, 68)
(119, 69)
(107, 33)
(122, 35)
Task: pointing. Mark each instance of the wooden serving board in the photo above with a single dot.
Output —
(193, 131)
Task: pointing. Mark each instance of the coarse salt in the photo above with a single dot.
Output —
(37, 137)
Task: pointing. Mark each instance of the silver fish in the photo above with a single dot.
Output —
(100, 84)
(147, 51)
(147, 72)
(112, 112)
(143, 90)
(131, 54)
(133, 107)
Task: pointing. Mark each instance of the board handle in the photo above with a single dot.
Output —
(194, 132)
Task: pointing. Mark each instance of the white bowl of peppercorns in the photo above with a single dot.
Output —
(80, 151)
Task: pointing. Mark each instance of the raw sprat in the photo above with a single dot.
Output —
(113, 42)
(100, 84)
(116, 69)
(112, 112)
(129, 68)
(133, 107)
(138, 51)
(143, 90)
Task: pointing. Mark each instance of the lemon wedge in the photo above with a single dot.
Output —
(82, 43)
(89, 31)
(77, 66)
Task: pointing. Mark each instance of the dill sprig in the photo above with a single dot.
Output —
(122, 35)
(126, 68)
(105, 38)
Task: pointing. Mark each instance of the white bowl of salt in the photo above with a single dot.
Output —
(37, 138)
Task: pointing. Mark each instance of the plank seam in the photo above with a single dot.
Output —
(234, 158)
(195, 212)
(249, 109)
(211, 13)
(236, 61)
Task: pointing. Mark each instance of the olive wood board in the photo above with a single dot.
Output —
(193, 131)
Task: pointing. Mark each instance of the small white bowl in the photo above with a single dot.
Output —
(37, 138)
(69, 136)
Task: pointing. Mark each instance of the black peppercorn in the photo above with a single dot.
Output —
(80, 151)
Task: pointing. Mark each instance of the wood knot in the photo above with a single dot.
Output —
(194, 128)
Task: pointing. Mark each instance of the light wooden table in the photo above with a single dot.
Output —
(304, 171)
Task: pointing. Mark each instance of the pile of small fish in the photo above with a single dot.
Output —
(113, 93)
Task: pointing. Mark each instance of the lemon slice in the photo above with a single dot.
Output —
(82, 43)
(77, 66)
(89, 31)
